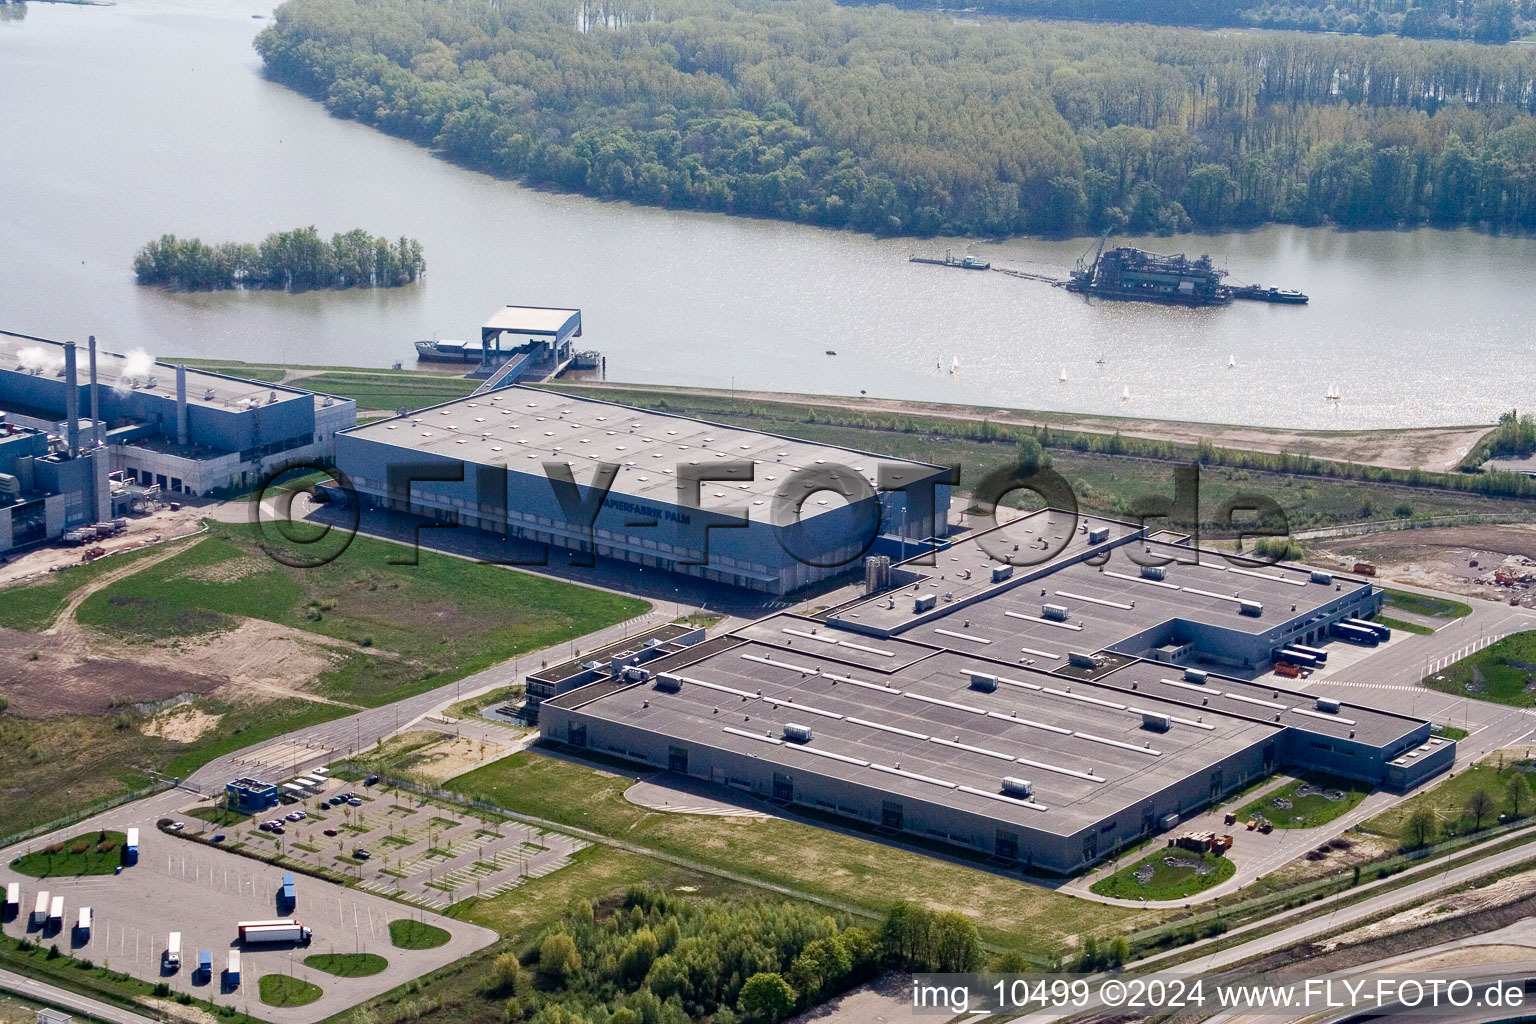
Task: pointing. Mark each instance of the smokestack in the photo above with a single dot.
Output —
(181, 405)
(95, 398)
(71, 400)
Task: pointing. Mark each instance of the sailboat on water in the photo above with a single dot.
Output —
(1125, 394)
(1333, 393)
(1063, 377)
(1232, 361)
(954, 364)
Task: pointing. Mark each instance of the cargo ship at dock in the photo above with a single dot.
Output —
(1136, 275)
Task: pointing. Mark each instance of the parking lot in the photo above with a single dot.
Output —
(201, 892)
(426, 854)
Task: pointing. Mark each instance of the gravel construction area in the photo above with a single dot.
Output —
(1438, 558)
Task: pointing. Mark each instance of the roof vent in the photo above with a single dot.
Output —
(797, 733)
(1156, 721)
(983, 682)
(208, 395)
(1021, 788)
(1328, 704)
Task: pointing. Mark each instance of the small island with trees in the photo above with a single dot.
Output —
(297, 260)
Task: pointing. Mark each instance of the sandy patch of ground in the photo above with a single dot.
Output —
(1432, 448)
(454, 756)
(1468, 956)
(43, 679)
(142, 530)
(1444, 908)
(231, 571)
(1438, 558)
(180, 725)
(176, 1011)
(256, 652)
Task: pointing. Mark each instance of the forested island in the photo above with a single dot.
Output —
(896, 122)
(296, 260)
(1483, 21)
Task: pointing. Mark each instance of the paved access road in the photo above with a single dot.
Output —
(62, 999)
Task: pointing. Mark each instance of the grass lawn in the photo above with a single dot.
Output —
(32, 607)
(347, 965)
(1406, 627)
(411, 627)
(220, 815)
(1503, 672)
(805, 858)
(1448, 797)
(1314, 799)
(1452, 732)
(1154, 878)
(1423, 604)
(90, 853)
(407, 934)
(281, 990)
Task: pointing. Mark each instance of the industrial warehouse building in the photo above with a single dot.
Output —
(481, 462)
(1047, 715)
(71, 430)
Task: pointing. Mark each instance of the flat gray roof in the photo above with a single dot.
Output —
(523, 427)
(534, 320)
(924, 732)
(214, 390)
(1106, 603)
(901, 715)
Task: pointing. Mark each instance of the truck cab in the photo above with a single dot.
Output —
(171, 962)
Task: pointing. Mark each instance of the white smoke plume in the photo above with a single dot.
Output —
(137, 365)
(37, 359)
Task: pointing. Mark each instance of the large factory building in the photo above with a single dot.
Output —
(173, 430)
(686, 495)
(1046, 715)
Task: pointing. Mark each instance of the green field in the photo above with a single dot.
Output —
(32, 607)
(371, 389)
(1406, 627)
(281, 990)
(1503, 672)
(90, 853)
(347, 965)
(1448, 797)
(1106, 480)
(1423, 604)
(1309, 810)
(805, 858)
(398, 630)
(407, 628)
(1153, 878)
(407, 934)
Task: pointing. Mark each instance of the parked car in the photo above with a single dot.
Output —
(278, 830)
(371, 780)
(361, 854)
(265, 826)
(177, 826)
(218, 837)
(355, 802)
(297, 816)
(332, 832)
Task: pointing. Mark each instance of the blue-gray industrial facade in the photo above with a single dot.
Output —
(85, 426)
(685, 496)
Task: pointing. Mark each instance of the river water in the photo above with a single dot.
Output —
(125, 122)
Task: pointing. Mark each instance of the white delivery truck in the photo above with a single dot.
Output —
(83, 925)
(56, 912)
(173, 952)
(40, 909)
(232, 972)
(12, 898)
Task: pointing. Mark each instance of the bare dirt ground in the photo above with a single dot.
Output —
(1460, 904)
(180, 725)
(455, 756)
(41, 679)
(142, 530)
(68, 669)
(1431, 448)
(1438, 558)
(1468, 957)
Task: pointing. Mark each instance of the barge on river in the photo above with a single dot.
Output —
(1136, 275)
